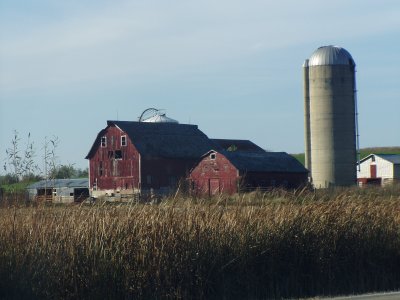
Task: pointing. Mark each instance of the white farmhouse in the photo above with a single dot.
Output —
(379, 169)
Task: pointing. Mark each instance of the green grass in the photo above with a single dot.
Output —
(363, 152)
(18, 187)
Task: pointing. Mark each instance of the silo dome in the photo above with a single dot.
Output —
(330, 55)
(160, 118)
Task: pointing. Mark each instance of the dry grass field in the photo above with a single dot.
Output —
(254, 246)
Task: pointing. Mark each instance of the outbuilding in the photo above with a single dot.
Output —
(237, 171)
(144, 158)
(59, 190)
(380, 169)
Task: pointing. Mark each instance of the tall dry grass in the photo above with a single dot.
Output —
(271, 245)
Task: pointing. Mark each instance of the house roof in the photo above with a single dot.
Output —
(58, 183)
(237, 145)
(393, 158)
(168, 140)
(263, 161)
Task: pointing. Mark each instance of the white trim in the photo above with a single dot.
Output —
(105, 141)
(126, 142)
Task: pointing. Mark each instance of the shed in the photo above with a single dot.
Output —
(59, 190)
(236, 171)
(380, 169)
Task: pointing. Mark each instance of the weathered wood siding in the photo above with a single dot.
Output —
(214, 175)
(111, 172)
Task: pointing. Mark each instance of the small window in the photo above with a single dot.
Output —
(213, 156)
(104, 141)
(71, 194)
(123, 140)
(373, 158)
(118, 154)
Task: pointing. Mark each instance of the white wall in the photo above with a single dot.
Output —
(384, 168)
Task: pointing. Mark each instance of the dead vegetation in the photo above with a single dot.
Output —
(271, 245)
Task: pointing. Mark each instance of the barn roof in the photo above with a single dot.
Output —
(168, 140)
(58, 183)
(264, 161)
(393, 158)
(237, 145)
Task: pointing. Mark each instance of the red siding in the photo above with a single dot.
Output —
(211, 176)
(164, 173)
(109, 172)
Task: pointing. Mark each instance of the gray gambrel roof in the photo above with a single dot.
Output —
(393, 158)
(167, 140)
(271, 162)
(59, 183)
(238, 145)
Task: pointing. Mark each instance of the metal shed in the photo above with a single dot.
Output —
(59, 190)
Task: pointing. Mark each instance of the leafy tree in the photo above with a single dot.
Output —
(63, 171)
(82, 173)
(68, 171)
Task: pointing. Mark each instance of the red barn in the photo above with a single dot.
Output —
(139, 157)
(245, 170)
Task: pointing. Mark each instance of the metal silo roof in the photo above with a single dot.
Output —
(160, 118)
(330, 55)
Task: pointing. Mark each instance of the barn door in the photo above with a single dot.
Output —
(214, 186)
(373, 171)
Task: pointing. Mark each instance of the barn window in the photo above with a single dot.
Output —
(123, 140)
(104, 141)
(373, 158)
(118, 154)
(213, 156)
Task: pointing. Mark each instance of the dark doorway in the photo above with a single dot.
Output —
(81, 194)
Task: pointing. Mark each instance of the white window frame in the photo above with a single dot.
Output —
(123, 141)
(103, 142)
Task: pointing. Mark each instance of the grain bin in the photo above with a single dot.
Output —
(330, 117)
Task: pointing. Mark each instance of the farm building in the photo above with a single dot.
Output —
(234, 171)
(144, 157)
(379, 169)
(59, 190)
(155, 156)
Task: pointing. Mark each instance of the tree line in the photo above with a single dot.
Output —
(21, 163)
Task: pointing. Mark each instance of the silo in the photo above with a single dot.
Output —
(329, 97)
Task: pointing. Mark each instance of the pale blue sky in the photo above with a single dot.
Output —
(233, 67)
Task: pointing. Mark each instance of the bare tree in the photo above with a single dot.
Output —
(50, 157)
(20, 163)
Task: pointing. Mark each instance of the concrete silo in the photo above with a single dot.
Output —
(330, 117)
